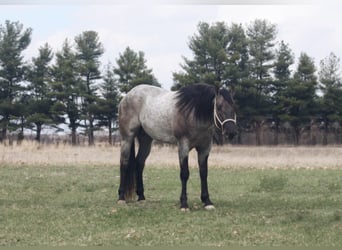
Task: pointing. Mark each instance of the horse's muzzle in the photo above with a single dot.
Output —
(230, 130)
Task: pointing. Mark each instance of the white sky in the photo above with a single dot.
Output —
(162, 31)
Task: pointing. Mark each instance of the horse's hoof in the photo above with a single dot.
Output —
(121, 202)
(142, 202)
(185, 209)
(209, 207)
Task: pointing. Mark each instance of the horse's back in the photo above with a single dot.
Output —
(137, 97)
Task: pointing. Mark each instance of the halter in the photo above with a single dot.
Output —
(217, 118)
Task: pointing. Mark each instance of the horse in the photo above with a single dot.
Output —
(186, 117)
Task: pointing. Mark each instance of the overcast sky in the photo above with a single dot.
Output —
(162, 31)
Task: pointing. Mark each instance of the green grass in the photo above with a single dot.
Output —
(76, 206)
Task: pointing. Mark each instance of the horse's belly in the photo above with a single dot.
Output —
(160, 134)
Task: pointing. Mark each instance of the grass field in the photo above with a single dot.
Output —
(56, 196)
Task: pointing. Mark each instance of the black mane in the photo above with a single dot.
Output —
(197, 97)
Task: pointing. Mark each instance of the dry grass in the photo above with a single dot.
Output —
(228, 157)
(277, 157)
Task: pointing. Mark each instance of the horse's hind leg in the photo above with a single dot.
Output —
(145, 142)
(127, 159)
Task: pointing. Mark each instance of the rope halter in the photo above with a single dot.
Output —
(217, 118)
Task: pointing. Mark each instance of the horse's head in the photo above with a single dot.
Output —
(224, 113)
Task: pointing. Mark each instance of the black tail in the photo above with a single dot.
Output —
(130, 177)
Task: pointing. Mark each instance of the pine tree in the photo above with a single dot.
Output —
(299, 98)
(39, 78)
(261, 35)
(284, 60)
(88, 51)
(14, 39)
(209, 47)
(236, 71)
(331, 87)
(237, 56)
(67, 89)
(132, 70)
(107, 105)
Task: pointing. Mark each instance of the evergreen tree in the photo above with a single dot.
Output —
(14, 39)
(67, 89)
(299, 98)
(261, 35)
(331, 87)
(284, 59)
(39, 78)
(237, 56)
(209, 47)
(282, 73)
(236, 71)
(132, 70)
(107, 105)
(89, 50)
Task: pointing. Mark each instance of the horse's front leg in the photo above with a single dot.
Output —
(203, 155)
(183, 153)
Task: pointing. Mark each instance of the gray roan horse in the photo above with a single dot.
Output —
(186, 117)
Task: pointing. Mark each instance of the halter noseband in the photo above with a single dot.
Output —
(217, 118)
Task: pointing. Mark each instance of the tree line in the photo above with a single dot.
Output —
(68, 86)
(69, 90)
(268, 87)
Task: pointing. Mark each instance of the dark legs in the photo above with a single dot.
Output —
(203, 154)
(145, 142)
(183, 153)
(131, 166)
(131, 169)
(184, 175)
(203, 169)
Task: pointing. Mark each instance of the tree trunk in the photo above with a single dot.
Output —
(110, 137)
(91, 133)
(257, 127)
(4, 129)
(73, 136)
(3, 134)
(39, 129)
(20, 137)
(297, 131)
(276, 134)
(325, 133)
